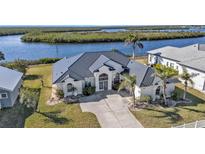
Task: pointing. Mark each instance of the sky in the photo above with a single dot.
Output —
(102, 12)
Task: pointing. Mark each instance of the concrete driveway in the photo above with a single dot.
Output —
(111, 110)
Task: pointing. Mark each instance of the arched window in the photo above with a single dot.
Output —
(103, 77)
(69, 87)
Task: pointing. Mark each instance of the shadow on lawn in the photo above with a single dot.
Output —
(172, 115)
(32, 77)
(14, 117)
(193, 110)
(53, 117)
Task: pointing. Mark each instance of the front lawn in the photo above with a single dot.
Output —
(60, 115)
(168, 117)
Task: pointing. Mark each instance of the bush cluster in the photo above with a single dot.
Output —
(59, 93)
(21, 65)
(88, 91)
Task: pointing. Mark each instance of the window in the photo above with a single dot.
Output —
(150, 58)
(117, 78)
(172, 65)
(87, 83)
(158, 91)
(177, 67)
(69, 87)
(3, 96)
(101, 85)
(167, 63)
(103, 77)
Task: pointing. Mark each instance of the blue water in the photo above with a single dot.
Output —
(13, 48)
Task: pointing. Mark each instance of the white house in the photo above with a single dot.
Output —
(103, 69)
(190, 57)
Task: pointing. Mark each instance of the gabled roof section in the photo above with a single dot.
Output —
(98, 63)
(148, 78)
(9, 78)
(137, 69)
(60, 67)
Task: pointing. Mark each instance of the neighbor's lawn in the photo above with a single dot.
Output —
(168, 117)
(141, 59)
(60, 115)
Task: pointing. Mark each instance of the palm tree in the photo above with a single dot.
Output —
(187, 79)
(129, 81)
(165, 73)
(134, 41)
(2, 56)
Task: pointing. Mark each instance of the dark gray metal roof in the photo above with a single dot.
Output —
(60, 67)
(144, 74)
(148, 78)
(80, 67)
(9, 78)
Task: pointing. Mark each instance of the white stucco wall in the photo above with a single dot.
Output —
(199, 79)
(77, 84)
(151, 90)
(166, 62)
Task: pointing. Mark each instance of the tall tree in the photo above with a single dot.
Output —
(134, 41)
(2, 56)
(129, 81)
(165, 73)
(187, 78)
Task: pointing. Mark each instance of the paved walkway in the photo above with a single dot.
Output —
(110, 109)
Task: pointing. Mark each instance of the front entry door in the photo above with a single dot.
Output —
(103, 82)
(103, 85)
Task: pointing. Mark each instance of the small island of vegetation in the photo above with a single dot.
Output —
(92, 37)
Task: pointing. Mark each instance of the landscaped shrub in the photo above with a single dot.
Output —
(88, 91)
(145, 99)
(19, 65)
(47, 60)
(29, 97)
(115, 86)
(175, 96)
(59, 93)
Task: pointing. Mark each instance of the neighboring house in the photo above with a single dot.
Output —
(101, 70)
(10, 83)
(190, 57)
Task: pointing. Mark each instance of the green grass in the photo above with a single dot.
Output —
(167, 117)
(91, 37)
(60, 115)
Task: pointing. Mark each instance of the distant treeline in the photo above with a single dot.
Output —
(92, 37)
(4, 31)
(14, 30)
